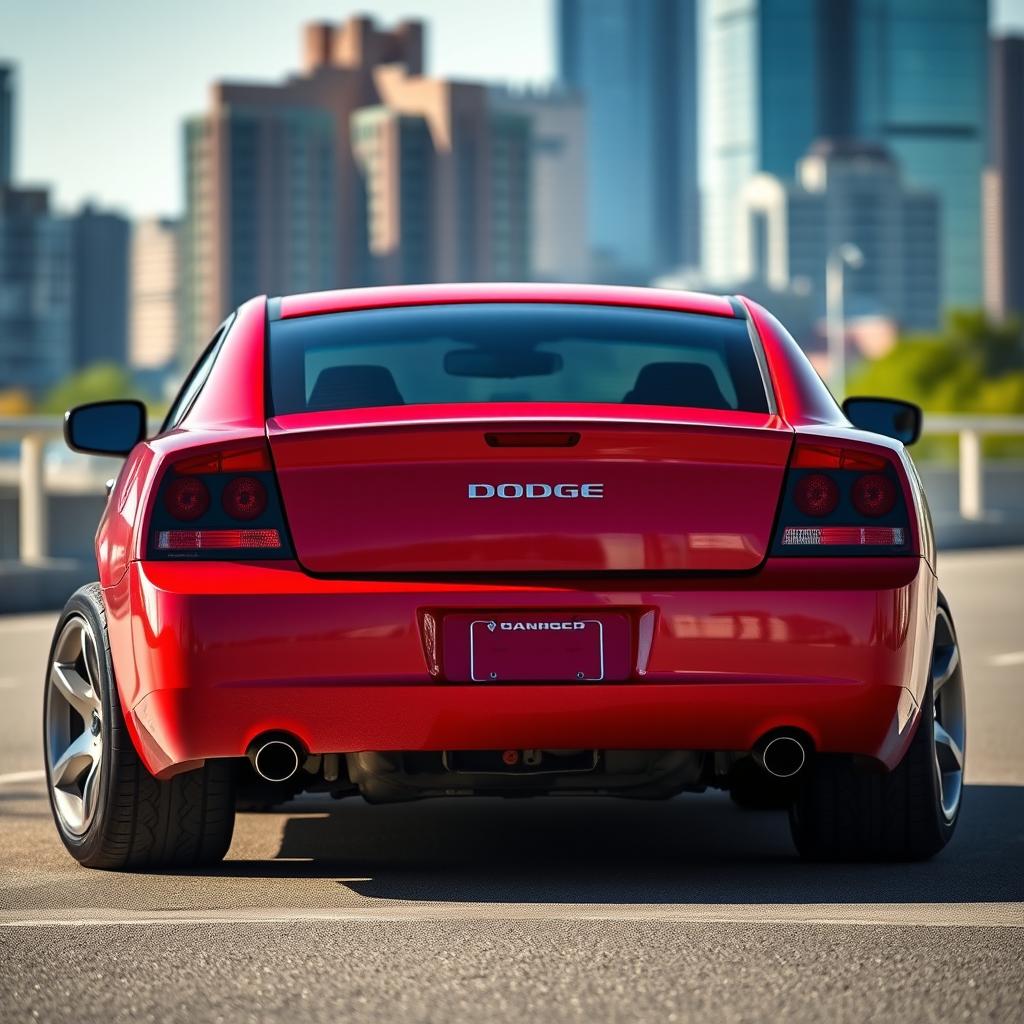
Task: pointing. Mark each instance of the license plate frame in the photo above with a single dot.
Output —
(587, 666)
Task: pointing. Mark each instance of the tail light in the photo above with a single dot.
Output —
(816, 494)
(874, 495)
(842, 501)
(187, 498)
(219, 505)
(245, 497)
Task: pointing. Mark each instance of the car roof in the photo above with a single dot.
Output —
(343, 300)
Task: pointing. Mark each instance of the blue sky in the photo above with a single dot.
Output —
(104, 84)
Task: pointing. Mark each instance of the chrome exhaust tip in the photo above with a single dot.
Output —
(782, 755)
(275, 758)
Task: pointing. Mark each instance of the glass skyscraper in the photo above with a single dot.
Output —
(759, 110)
(635, 64)
(922, 77)
(6, 124)
(907, 73)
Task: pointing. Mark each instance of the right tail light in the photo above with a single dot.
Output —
(842, 501)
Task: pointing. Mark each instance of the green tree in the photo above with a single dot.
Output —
(96, 383)
(973, 365)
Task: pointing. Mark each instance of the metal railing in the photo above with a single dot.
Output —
(33, 433)
(970, 431)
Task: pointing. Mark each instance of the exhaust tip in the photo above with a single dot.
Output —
(781, 756)
(275, 759)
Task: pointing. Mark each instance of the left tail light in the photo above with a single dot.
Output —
(219, 505)
(842, 501)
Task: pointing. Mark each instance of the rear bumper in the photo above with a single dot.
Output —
(209, 655)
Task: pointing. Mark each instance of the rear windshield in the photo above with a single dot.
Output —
(512, 352)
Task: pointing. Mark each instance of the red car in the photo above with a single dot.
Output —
(505, 540)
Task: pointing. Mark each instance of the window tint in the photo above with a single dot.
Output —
(196, 379)
(513, 352)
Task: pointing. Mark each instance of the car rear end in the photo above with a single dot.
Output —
(530, 546)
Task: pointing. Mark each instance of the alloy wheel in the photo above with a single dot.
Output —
(949, 726)
(74, 726)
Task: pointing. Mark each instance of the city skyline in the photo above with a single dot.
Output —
(103, 91)
(779, 74)
(82, 161)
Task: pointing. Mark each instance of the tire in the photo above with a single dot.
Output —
(845, 812)
(110, 812)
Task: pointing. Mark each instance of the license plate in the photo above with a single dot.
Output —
(545, 647)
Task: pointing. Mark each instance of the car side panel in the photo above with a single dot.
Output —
(232, 397)
(802, 397)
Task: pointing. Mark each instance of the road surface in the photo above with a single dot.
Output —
(546, 910)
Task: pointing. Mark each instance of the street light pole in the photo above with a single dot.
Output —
(841, 257)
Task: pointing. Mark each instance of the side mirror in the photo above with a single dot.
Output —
(888, 416)
(105, 428)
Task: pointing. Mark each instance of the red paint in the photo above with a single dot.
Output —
(209, 654)
(695, 496)
(436, 294)
(223, 653)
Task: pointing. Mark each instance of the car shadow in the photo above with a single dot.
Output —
(692, 849)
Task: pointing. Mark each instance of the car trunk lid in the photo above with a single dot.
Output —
(371, 494)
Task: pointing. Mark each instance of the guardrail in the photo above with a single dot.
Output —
(33, 432)
(970, 430)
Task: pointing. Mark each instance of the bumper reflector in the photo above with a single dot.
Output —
(845, 536)
(194, 540)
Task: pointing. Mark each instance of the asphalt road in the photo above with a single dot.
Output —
(549, 910)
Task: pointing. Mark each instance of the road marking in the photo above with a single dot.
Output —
(22, 777)
(926, 915)
(1007, 660)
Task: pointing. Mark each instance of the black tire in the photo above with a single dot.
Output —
(138, 821)
(846, 812)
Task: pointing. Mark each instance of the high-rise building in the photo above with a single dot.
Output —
(846, 192)
(262, 198)
(479, 175)
(1004, 181)
(273, 201)
(558, 176)
(761, 86)
(154, 334)
(903, 73)
(636, 66)
(6, 124)
(35, 291)
(359, 169)
(99, 267)
(922, 80)
(394, 156)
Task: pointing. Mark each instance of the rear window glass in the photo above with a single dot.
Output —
(512, 352)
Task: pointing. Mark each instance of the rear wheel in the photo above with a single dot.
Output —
(844, 813)
(110, 812)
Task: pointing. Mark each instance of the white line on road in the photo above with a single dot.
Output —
(941, 915)
(1007, 660)
(22, 777)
